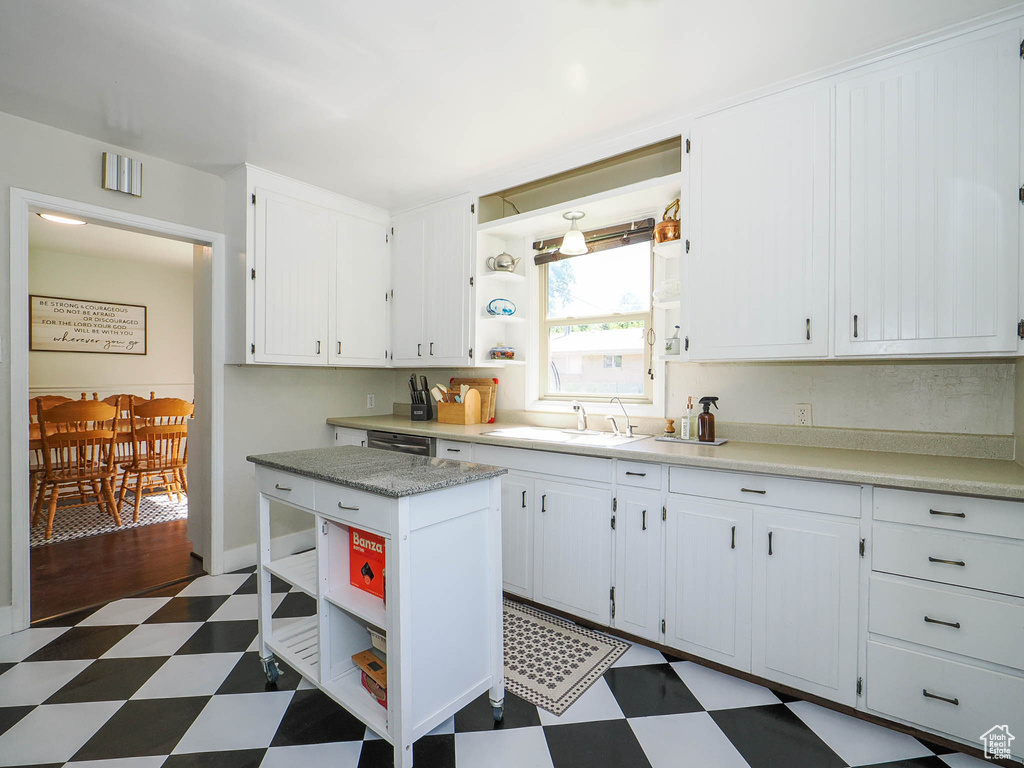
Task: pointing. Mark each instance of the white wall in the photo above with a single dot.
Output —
(163, 287)
(965, 397)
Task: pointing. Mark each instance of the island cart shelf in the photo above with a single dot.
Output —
(441, 614)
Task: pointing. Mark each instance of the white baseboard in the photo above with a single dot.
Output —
(280, 546)
(6, 620)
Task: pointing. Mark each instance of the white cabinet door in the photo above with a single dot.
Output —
(408, 301)
(638, 572)
(448, 297)
(708, 580)
(805, 603)
(455, 450)
(359, 302)
(344, 436)
(294, 246)
(517, 505)
(927, 177)
(760, 197)
(573, 549)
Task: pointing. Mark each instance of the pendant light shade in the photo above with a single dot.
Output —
(574, 243)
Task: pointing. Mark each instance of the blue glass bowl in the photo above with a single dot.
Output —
(501, 307)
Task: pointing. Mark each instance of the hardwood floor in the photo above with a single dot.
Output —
(77, 574)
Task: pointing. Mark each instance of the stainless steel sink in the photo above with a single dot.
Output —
(572, 436)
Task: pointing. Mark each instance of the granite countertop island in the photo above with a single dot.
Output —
(943, 474)
(384, 473)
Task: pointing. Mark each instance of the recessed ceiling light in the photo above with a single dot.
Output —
(60, 219)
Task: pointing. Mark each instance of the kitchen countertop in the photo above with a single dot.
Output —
(943, 474)
(383, 473)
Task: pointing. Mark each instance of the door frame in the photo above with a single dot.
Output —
(208, 346)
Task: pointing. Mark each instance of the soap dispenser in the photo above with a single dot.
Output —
(706, 421)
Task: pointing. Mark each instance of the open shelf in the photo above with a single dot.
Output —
(668, 304)
(504, 318)
(669, 358)
(361, 604)
(504, 277)
(298, 570)
(296, 642)
(673, 249)
(347, 689)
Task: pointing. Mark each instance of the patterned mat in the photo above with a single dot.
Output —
(551, 662)
(90, 520)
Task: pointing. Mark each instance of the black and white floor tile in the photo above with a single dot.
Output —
(174, 680)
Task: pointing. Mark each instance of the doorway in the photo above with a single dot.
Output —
(205, 431)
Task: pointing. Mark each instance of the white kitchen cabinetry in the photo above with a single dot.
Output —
(638, 568)
(760, 221)
(927, 178)
(359, 297)
(517, 503)
(708, 579)
(805, 603)
(455, 450)
(432, 315)
(309, 272)
(573, 549)
(345, 436)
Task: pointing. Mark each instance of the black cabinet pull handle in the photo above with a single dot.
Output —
(733, 545)
(643, 525)
(454, 450)
(419, 350)
(431, 348)
(960, 563)
(350, 509)
(281, 488)
(855, 332)
(544, 503)
(752, 490)
(953, 624)
(524, 499)
(637, 474)
(808, 329)
(946, 514)
(769, 543)
(339, 347)
(955, 701)
(318, 347)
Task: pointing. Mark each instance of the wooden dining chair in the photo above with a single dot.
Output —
(35, 447)
(123, 442)
(159, 449)
(78, 450)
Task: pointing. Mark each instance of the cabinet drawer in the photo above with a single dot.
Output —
(452, 449)
(363, 510)
(638, 474)
(897, 680)
(956, 513)
(810, 495)
(995, 565)
(285, 486)
(563, 465)
(949, 619)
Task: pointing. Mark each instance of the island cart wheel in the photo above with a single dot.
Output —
(498, 710)
(270, 669)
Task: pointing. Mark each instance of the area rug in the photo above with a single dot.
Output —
(90, 520)
(551, 662)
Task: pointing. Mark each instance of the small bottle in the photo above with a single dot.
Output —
(706, 421)
(684, 428)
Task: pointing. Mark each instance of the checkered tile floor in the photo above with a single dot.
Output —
(174, 680)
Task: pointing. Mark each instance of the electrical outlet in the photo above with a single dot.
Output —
(371, 402)
(802, 414)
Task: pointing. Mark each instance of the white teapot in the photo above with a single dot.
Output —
(503, 262)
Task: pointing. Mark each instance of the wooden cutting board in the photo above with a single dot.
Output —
(488, 389)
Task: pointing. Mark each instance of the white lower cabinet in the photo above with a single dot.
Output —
(639, 536)
(708, 579)
(805, 605)
(517, 497)
(345, 436)
(573, 549)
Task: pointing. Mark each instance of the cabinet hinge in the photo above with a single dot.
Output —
(254, 198)
(470, 353)
(664, 514)
(863, 547)
(1022, 49)
(387, 238)
(615, 504)
(252, 274)
(613, 522)
(687, 246)
(472, 207)
(1020, 194)
(385, 295)
(686, 343)
(1020, 329)
(860, 686)
(687, 146)
(392, 294)
(611, 596)
(471, 281)
(663, 626)
(252, 348)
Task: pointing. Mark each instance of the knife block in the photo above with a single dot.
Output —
(422, 411)
(467, 412)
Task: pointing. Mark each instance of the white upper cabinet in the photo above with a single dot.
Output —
(760, 253)
(359, 296)
(432, 266)
(927, 210)
(294, 247)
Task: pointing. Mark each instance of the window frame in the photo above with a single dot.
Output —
(545, 324)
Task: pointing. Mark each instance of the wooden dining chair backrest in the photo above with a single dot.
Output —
(160, 431)
(78, 438)
(47, 401)
(123, 403)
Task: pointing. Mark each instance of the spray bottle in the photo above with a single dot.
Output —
(706, 421)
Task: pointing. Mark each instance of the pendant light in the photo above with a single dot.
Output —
(574, 243)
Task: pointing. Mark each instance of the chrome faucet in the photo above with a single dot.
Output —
(629, 427)
(581, 416)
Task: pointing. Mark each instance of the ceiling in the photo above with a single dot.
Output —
(393, 102)
(96, 241)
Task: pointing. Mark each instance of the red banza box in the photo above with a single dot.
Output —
(366, 561)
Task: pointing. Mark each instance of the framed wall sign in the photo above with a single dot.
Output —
(77, 325)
